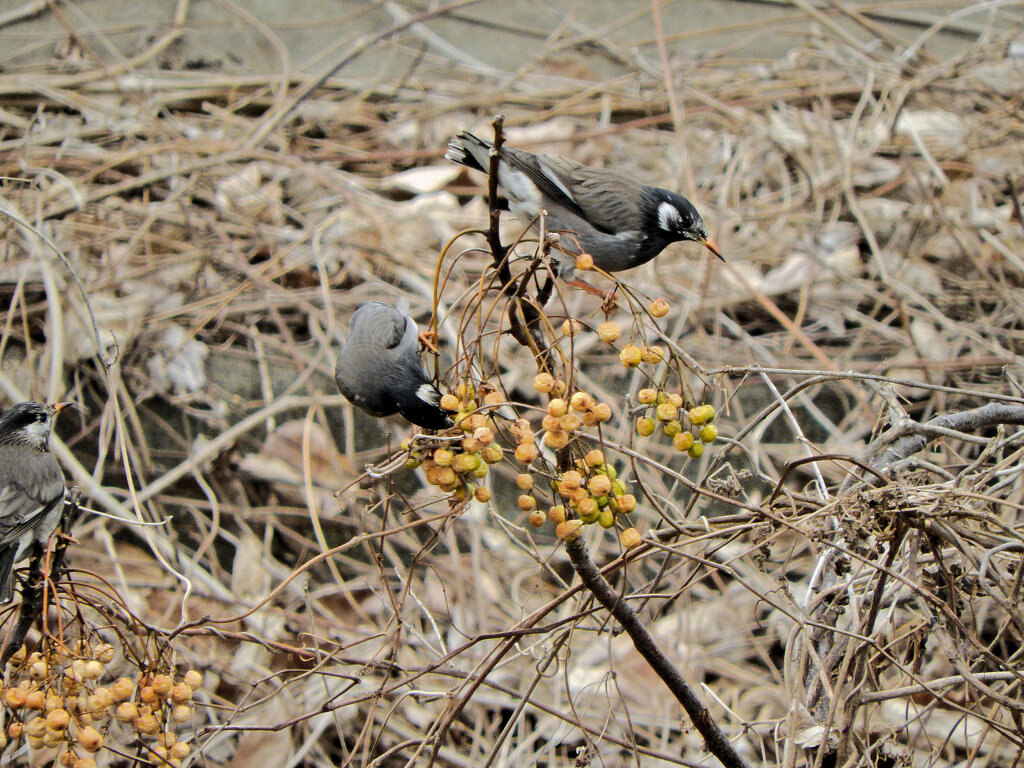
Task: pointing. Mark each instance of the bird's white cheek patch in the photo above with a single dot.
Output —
(428, 394)
(668, 217)
(38, 431)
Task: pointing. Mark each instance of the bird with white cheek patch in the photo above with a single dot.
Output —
(620, 222)
(379, 369)
(31, 485)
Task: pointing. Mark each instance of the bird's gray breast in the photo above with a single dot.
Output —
(29, 481)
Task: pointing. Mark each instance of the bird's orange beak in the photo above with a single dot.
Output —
(58, 407)
(712, 246)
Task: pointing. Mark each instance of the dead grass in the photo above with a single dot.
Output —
(212, 232)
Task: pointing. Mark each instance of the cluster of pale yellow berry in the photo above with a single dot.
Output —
(456, 465)
(597, 495)
(667, 410)
(593, 490)
(563, 417)
(58, 700)
(630, 355)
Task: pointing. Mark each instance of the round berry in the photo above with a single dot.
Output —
(659, 308)
(666, 412)
(90, 739)
(466, 462)
(609, 331)
(556, 439)
(570, 422)
(600, 485)
(492, 453)
(647, 396)
(543, 382)
(526, 453)
(557, 407)
(179, 750)
(571, 479)
(653, 355)
(683, 441)
(697, 415)
(645, 426)
(57, 719)
(630, 538)
(568, 530)
(527, 503)
(146, 724)
(15, 698)
(630, 356)
(624, 504)
(708, 433)
(591, 516)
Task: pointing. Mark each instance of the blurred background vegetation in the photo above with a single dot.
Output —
(196, 195)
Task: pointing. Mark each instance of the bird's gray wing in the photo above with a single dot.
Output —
(550, 184)
(607, 200)
(30, 486)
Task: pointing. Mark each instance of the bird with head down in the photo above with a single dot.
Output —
(380, 371)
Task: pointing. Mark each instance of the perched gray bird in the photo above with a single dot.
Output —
(380, 371)
(620, 222)
(31, 484)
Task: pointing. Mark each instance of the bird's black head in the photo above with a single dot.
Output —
(29, 423)
(674, 218)
(424, 409)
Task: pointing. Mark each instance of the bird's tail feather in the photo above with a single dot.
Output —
(470, 151)
(6, 577)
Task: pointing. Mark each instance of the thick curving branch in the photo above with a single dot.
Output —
(912, 437)
(717, 742)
